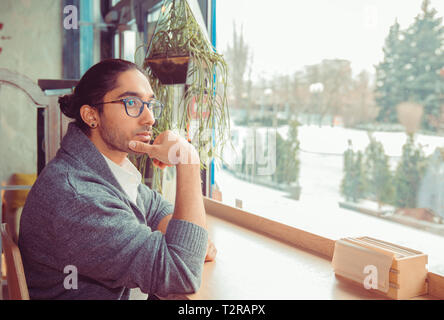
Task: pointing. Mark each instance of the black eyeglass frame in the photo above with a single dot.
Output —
(125, 100)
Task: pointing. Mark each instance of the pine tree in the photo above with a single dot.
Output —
(354, 183)
(388, 82)
(347, 180)
(411, 68)
(379, 177)
(409, 173)
(287, 159)
(359, 178)
(281, 159)
(293, 150)
(425, 60)
(243, 166)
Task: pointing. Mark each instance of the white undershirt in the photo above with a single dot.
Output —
(127, 175)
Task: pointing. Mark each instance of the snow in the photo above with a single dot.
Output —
(318, 211)
(329, 139)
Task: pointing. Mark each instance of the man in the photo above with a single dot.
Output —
(89, 229)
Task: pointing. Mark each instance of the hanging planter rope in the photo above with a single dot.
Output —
(180, 53)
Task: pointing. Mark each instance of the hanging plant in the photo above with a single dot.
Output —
(169, 54)
(181, 53)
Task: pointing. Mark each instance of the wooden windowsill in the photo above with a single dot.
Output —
(262, 259)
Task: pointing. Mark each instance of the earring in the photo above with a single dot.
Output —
(93, 125)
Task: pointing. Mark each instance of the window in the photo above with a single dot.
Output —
(337, 111)
(151, 19)
(131, 45)
(125, 43)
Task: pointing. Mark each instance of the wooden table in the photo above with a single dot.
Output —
(253, 266)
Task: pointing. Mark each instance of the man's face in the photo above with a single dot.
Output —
(117, 128)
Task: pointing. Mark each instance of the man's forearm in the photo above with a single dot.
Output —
(189, 202)
(171, 149)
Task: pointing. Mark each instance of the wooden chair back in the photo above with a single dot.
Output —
(15, 274)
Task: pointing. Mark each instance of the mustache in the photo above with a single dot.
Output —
(149, 129)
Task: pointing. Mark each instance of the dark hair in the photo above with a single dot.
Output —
(92, 87)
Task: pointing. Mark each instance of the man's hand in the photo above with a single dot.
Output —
(168, 149)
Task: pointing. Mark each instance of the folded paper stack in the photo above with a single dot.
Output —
(388, 269)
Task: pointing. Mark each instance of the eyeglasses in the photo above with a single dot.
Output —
(134, 106)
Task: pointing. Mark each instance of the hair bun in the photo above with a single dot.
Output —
(66, 105)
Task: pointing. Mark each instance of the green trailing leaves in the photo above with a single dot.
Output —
(177, 33)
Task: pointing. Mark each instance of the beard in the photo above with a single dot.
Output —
(113, 139)
(116, 140)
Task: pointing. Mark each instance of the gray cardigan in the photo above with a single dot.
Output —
(77, 214)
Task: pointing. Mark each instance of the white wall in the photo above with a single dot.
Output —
(31, 42)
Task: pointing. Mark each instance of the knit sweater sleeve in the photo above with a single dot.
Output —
(101, 237)
(157, 207)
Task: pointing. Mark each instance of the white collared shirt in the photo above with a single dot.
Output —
(127, 175)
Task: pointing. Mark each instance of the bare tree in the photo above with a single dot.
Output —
(359, 105)
(336, 78)
(300, 94)
(238, 58)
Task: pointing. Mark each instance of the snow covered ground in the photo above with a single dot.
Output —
(318, 211)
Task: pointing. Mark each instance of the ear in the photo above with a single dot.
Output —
(89, 115)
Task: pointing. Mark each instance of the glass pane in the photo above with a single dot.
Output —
(129, 47)
(337, 122)
(116, 46)
(151, 19)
